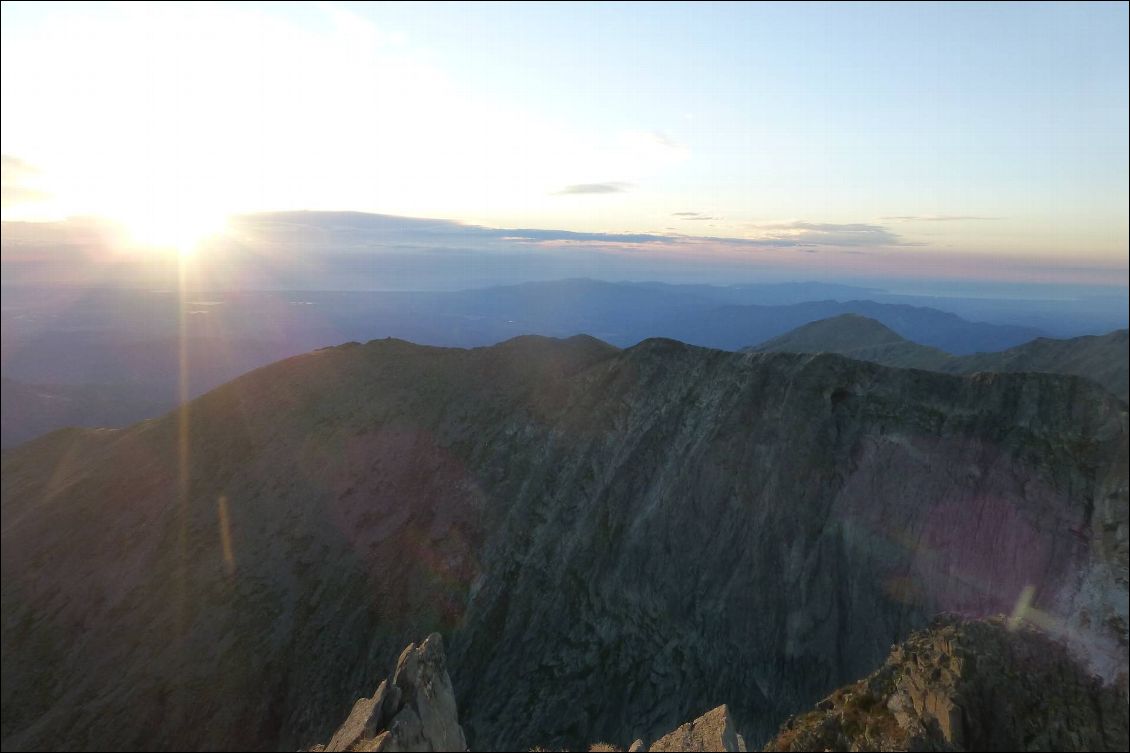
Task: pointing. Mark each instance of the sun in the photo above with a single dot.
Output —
(180, 230)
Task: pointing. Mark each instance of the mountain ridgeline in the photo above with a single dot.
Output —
(107, 357)
(1103, 358)
(612, 542)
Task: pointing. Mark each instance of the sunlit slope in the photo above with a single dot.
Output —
(612, 541)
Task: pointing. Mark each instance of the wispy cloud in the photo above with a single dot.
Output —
(16, 177)
(825, 234)
(937, 217)
(341, 250)
(14, 168)
(662, 139)
(568, 235)
(594, 188)
(358, 229)
(694, 216)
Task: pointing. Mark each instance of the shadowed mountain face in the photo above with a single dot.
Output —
(612, 541)
(1103, 358)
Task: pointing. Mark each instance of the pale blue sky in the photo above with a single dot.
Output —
(948, 103)
(971, 129)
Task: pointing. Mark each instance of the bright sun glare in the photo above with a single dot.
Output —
(181, 231)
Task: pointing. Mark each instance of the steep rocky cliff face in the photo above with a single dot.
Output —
(613, 542)
(961, 685)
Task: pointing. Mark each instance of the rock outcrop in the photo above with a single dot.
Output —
(968, 685)
(413, 710)
(611, 541)
(713, 731)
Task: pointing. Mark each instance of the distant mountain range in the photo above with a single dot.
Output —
(356, 251)
(725, 327)
(132, 342)
(1104, 359)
